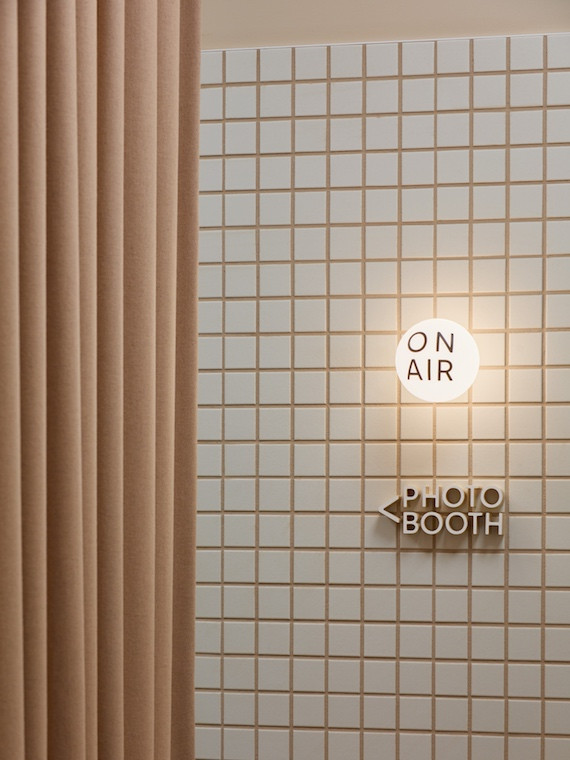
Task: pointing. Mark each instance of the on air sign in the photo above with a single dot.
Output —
(453, 509)
(437, 360)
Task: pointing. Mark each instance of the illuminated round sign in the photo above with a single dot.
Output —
(437, 360)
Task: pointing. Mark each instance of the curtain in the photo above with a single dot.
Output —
(98, 220)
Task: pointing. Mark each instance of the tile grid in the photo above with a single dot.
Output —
(434, 466)
(222, 691)
(469, 648)
(507, 390)
(362, 504)
(257, 401)
(398, 610)
(543, 409)
(327, 590)
(509, 331)
(292, 423)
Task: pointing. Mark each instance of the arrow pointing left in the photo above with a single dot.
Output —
(389, 515)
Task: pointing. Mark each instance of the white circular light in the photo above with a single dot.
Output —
(437, 360)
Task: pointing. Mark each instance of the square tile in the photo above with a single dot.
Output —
(311, 62)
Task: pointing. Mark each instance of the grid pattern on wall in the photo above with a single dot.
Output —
(348, 192)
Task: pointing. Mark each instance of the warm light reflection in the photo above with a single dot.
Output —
(437, 360)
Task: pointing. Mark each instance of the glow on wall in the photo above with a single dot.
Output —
(437, 360)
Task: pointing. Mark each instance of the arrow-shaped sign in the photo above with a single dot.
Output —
(383, 510)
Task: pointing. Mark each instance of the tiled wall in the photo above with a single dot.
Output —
(349, 192)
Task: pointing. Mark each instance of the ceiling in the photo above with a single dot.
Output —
(258, 23)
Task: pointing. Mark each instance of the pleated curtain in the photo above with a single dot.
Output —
(98, 186)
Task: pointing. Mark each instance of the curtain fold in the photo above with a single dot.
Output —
(98, 236)
(185, 432)
(32, 271)
(110, 428)
(11, 551)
